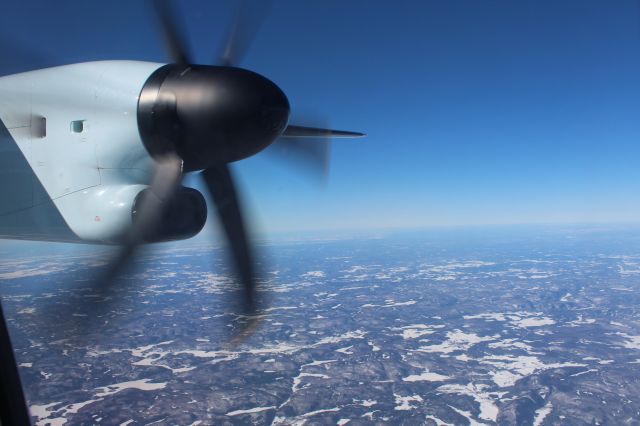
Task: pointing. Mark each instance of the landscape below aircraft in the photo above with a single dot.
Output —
(96, 152)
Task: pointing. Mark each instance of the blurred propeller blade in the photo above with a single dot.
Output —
(314, 132)
(223, 191)
(247, 22)
(13, 406)
(311, 155)
(173, 36)
(148, 213)
(308, 148)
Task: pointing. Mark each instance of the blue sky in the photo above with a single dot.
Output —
(477, 112)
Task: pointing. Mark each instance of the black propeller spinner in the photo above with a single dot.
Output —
(203, 117)
(210, 115)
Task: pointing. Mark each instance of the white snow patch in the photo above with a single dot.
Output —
(390, 304)
(417, 330)
(438, 421)
(250, 411)
(581, 321)
(357, 334)
(355, 268)
(534, 322)
(347, 350)
(44, 269)
(426, 376)
(460, 265)
(44, 412)
(298, 380)
(365, 402)
(633, 342)
(326, 410)
(541, 413)
(488, 408)
(300, 420)
(505, 378)
(413, 333)
(518, 319)
(403, 403)
(322, 362)
(134, 384)
(467, 415)
(622, 269)
(489, 316)
(457, 340)
(280, 308)
(584, 372)
(510, 344)
(515, 368)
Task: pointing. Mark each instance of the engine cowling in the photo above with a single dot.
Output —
(183, 216)
(105, 214)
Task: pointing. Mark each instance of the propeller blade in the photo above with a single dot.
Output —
(311, 154)
(246, 24)
(223, 191)
(313, 132)
(13, 406)
(173, 36)
(308, 148)
(148, 214)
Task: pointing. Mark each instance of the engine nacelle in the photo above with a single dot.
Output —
(105, 214)
(183, 217)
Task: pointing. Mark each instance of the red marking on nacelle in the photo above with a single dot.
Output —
(97, 219)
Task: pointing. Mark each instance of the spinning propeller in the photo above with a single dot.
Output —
(201, 118)
(192, 118)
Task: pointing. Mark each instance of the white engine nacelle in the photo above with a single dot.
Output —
(72, 163)
(105, 214)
